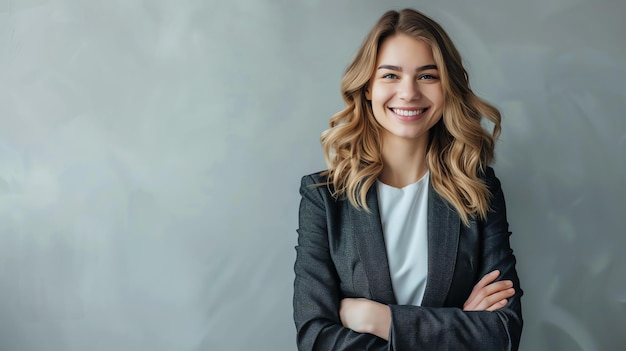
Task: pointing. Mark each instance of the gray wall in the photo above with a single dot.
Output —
(151, 151)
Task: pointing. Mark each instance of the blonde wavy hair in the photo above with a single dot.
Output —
(459, 149)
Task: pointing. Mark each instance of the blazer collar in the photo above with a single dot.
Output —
(443, 242)
(368, 234)
(443, 239)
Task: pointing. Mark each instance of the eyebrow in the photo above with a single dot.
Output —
(399, 69)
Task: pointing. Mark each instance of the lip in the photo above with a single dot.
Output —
(408, 118)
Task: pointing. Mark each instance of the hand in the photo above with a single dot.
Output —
(488, 296)
(365, 316)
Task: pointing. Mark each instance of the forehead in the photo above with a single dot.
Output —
(406, 51)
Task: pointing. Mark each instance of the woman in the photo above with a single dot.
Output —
(403, 242)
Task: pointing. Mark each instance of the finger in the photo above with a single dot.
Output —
(498, 305)
(487, 279)
(484, 281)
(494, 298)
(482, 302)
(495, 287)
(477, 296)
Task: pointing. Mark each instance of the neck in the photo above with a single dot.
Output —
(404, 161)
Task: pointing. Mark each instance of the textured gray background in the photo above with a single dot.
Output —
(151, 151)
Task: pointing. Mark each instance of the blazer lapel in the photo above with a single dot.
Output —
(443, 241)
(368, 234)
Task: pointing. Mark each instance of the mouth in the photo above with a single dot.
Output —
(409, 113)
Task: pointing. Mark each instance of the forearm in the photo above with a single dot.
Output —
(383, 323)
(366, 316)
(440, 328)
(316, 311)
(415, 327)
(321, 336)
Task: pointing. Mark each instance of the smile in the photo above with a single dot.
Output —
(407, 113)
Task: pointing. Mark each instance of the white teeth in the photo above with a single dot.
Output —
(407, 113)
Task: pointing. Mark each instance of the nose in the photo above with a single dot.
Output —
(408, 90)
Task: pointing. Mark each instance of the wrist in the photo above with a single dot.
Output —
(381, 324)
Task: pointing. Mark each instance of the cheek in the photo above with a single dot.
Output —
(380, 97)
(437, 119)
(440, 95)
(435, 94)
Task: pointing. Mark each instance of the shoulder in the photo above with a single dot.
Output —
(314, 178)
(497, 205)
(317, 200)
(316, 185)
(488, 175)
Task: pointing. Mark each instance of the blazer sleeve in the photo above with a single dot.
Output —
(316, 286)
(451, 328)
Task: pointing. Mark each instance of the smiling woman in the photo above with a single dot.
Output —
(403, 241)
(405, 91)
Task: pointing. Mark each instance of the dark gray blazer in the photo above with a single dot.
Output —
(341, 253)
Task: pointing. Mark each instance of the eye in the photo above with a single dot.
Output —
(428, 76)
(390, 76)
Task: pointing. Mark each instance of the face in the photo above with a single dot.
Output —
(405, 90)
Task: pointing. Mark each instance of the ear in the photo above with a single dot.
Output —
(368, 94)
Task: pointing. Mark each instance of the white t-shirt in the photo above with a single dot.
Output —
(404, 216)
